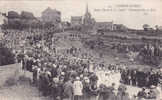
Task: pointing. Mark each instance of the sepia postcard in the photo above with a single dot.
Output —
(80, 49)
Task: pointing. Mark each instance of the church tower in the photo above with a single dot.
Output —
(88, 21)
(87, 17)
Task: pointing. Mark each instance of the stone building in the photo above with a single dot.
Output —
(119, 27)
(105, 26)
(76, 22)
(160, 28)
(51, 16)
(88, 20)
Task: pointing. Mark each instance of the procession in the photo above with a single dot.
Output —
(45, 55)
(74, 75)
(64, 79)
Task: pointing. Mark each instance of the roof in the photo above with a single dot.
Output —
(76, 17)
(104, 22)
(50, 10)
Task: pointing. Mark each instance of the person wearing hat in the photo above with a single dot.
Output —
(112, 87)
(152, 94)
(54, 70)
(56, 89)
(29, 64)
(35, 74)
(85, 72)
(77, 87)
(125, 94)
(46, 82)
(86, 83)
(68, 90)
(159, 92)
(142, 93)
(94, 90)
(112, 96)
(122, 94)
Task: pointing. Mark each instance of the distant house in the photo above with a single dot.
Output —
(76, 20)
(105, 26)
(160, 28)
(119, 27)
(27, 15)
(13, 15)
(51, 15)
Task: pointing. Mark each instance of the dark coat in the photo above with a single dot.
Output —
(68, 90)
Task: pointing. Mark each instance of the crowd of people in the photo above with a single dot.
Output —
(151, 54)
(67, 79)
(141, 78)
(62, 74)
(66, 76)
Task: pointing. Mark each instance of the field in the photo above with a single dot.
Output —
(107, 43)
(20, 89)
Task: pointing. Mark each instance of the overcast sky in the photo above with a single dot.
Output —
(149, 11)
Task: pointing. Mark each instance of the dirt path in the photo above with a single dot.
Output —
(23, 90)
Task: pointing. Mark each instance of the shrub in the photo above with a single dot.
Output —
(6, 56)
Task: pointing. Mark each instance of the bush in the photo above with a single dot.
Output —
(6, 56)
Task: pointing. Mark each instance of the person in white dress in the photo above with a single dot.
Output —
(77, 87)
(159, 95)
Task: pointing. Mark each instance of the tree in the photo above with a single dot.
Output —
(156, 27)
(6, 55)
(146, 27)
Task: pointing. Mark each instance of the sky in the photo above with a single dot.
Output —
(132, 13)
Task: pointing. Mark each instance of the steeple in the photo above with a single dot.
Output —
(87, 8)
(87, 17)
(87, 13)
